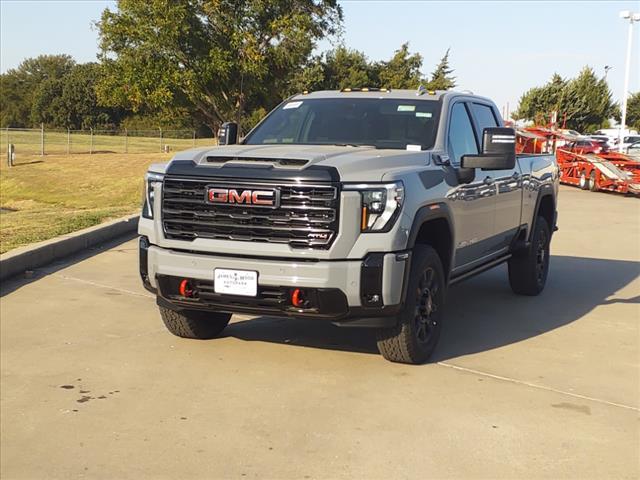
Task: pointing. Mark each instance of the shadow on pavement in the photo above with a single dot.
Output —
(14, 283)
(482, 313)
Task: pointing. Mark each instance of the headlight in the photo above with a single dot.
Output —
(381, 205)
(150, 180)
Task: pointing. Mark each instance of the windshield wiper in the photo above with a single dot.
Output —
(354, 145)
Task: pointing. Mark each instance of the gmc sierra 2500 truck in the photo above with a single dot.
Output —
(356, 207)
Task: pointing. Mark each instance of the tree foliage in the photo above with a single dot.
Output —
(441, 78)
(402, 70)
(348, 68)
(583, 103)
(213, 57)
(19, 86)
(633, 111)
(71, 101)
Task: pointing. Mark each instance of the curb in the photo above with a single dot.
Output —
(39, 254)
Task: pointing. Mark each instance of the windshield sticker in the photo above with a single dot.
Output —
(406, 108)
(424, 114)
(292, 105)
(414, 148)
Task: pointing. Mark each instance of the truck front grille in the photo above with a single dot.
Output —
(307, 216)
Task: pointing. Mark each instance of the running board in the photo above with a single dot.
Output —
(480, 269)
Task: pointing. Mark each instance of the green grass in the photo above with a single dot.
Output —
(43, 197)
(28, 142)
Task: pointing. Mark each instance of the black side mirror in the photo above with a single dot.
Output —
(228, 134)
(498, 150)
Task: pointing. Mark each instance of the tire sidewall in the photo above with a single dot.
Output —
(584, 181)
(423, 257)
(541, 229)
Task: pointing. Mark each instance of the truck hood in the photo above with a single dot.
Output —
(354, 164)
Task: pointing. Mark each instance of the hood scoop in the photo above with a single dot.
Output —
(280, 162)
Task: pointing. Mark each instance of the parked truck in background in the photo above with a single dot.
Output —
(356, 207)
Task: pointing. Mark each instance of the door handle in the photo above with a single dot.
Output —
(516, 175)
(488, 181)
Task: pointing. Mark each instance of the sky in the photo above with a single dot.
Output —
(498, 49)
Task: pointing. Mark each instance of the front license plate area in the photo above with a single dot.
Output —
(235, 282)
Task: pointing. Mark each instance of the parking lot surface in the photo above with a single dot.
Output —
(93, 386)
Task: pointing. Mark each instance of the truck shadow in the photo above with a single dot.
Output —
(481, 314)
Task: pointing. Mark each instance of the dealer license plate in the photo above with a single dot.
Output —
(235, 282)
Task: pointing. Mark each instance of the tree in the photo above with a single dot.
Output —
(18, 86)
(539, 103)
(336, 69)
(402, 71)
(583, 103)
(633, 111)
(441, 78)
(216, 58)
(589, 102)
(71, 102)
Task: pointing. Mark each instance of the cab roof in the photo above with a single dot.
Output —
(375, 93)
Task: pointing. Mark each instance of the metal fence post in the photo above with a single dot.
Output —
(126, 141)
(91, 144)
(42, 139)
(194, 139)
(10, 154)
(160, 128)
(68, 141)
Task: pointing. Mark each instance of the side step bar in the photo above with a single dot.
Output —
(480, 269)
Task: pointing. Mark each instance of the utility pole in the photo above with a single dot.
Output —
(632, 17)
(42, 139)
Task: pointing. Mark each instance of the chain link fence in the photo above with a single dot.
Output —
(42, 141)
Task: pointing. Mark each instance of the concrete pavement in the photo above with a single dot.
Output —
(547, 387)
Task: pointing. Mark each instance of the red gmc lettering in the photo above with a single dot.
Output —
(267, 198)
(244, 197)
(247, 197)
(218, 195)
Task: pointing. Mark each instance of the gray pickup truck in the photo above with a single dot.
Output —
(356, 207)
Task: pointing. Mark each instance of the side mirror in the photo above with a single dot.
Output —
(228, 134)
(498, 150)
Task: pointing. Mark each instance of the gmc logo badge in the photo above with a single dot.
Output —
(244, 197)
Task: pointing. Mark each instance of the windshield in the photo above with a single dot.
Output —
(382, 123)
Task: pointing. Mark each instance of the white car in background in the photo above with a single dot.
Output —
(633, 150)
(628, 141)
(614, 134)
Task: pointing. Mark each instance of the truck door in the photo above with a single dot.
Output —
(473, 203)
(508, 183)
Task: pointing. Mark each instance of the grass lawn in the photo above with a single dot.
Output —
(42, 197)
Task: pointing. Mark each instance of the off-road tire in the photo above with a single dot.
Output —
(528, 270)
(416, 335)
(593, 181)
(193, 323)
(583, 183)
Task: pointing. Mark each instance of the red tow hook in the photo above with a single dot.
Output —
(185, 289)
(298, 298)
